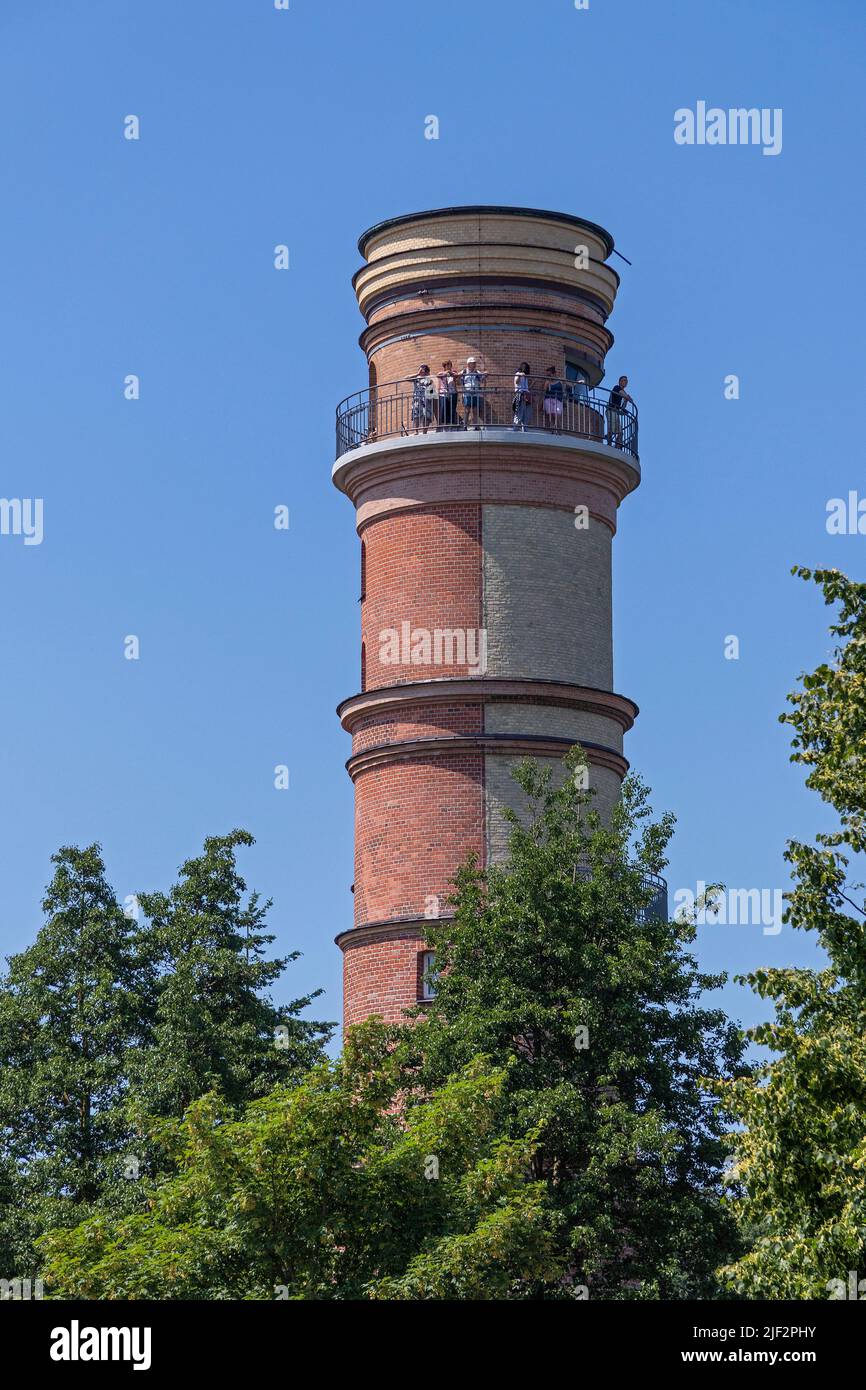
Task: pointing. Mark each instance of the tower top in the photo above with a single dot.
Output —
(462, 247)
(486, 210)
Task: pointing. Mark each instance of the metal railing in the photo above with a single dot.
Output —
(656, 910)
(404, 408)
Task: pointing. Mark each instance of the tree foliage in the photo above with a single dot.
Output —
(214, 1024)
(74, 1008)
(801, 1154)
(326, 1191)
(556, 968)
(108, 1025)
(538, 1132)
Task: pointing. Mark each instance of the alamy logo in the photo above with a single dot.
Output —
(21, 1289)
(744, 907)
(846, 517)
(444, 646)
(855, 1288)
(22, 516)
(77, 1343)
(737, 126)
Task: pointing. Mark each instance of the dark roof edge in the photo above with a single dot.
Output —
(475, 208)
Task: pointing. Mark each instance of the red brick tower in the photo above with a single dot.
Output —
(485, 555)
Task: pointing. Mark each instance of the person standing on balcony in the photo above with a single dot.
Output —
(473, 387)
(522, 397)
(616, 412)
(580, 389)
(553, 395)
(447, 396)
(422, 398)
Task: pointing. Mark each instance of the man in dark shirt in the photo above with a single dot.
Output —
(616, 413)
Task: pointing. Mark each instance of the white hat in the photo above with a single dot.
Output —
(472, 359)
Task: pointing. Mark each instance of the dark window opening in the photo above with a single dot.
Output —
(577, 382)
(427, 975)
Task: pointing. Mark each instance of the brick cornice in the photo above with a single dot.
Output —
(395, 928)
(523, 745)
(486, 689)
(450, 319)
(483, 296)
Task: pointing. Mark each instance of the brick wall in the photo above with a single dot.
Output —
(423, 569)
(547, 596)
(382, 975)
(416, 819)
(500, 327)
(431, 720)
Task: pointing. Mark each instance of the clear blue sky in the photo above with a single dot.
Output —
(155, 257)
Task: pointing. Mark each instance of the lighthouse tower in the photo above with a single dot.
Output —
(486, 520)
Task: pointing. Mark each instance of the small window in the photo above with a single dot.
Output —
(363, 668)
(427, 975)
(363, 571)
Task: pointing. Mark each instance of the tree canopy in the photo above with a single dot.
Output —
(800, 1156)
(539, 1131)
(109, 1024)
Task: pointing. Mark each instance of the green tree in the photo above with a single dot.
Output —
(555, 969)
(108, 1026)
(801, 1154)
(554, 1085)
(326, 1190)
(74, 1007)
(215, 1026)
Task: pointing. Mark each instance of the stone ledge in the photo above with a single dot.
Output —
(483, 689)
(522, 745)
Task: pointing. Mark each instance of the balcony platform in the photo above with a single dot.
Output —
(492, 464)
(403, 409)
(503, 436)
